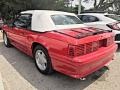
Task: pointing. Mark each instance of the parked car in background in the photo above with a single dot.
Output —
(102, 21)
(1, 23)
(60, 41)
(118, 15)
(113, 16)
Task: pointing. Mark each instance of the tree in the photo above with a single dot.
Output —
(75, 9)
(11, 7)
(116, 7)
(103, 5)
(62, 5)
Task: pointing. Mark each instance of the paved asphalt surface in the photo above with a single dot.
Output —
(24, 65)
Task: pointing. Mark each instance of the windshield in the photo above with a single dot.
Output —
(115, 17)
(65, 20)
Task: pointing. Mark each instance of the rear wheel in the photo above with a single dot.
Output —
(6, 40)
(42, 59)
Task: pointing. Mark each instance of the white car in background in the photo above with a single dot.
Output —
(102, 21)
(113, 16)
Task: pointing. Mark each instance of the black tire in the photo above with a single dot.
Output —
(49, 69)
(7, 42)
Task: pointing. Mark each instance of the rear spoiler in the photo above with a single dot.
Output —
(93, 33)
(80, 35)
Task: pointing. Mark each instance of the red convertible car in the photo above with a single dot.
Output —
(59, 41)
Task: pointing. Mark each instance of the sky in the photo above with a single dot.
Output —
(86, 5)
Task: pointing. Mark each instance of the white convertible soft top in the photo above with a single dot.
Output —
(42, 21)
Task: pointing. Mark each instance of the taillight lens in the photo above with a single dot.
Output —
(103, 43)
(110, 41)
(115, 26)
(74, 50)
(95, 45)
(71, 50)
(82, 49)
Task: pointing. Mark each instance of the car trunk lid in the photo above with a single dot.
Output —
(81, 32)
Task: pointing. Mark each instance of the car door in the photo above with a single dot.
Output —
(20, 29)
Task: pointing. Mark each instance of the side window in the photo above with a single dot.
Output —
(60, 19)
(23, 21)
(88, 18)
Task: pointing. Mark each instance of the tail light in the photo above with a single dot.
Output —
(95, 46)
(74, 50)
(115, 26)
(79, 50)
(82, 49)
(103, 43)
(71, 50)
(110, 41)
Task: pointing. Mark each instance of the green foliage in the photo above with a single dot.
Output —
(9, 8)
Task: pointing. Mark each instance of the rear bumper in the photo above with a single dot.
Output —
(84, 65)
(93, 62)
